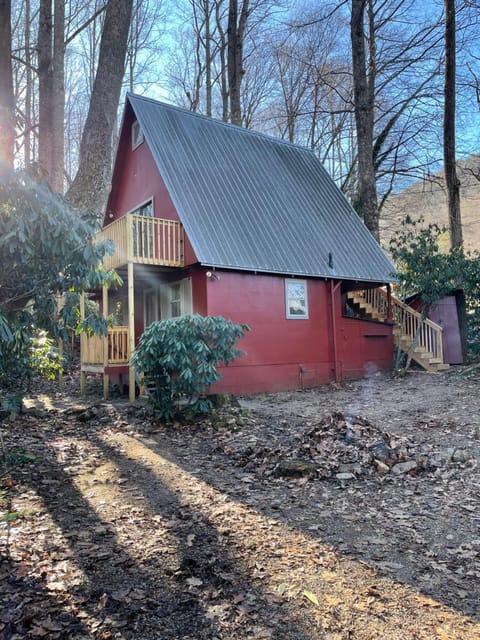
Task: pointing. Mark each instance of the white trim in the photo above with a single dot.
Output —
(142, 204)
(137, 135)
(302, 313)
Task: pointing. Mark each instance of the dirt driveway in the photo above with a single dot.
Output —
(351, 511)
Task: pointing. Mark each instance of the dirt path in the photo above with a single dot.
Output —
(123, 528)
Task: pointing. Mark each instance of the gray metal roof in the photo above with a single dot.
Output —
(253, 202)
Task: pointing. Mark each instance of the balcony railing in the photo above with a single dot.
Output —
(110, 350)
(144, 240)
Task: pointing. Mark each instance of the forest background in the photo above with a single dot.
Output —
(288, 68)
(385, 92)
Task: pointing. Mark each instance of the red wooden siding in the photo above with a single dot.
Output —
(288, 354)
(365, 347)
(136, 180)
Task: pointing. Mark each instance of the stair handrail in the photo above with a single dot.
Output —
(426, 332)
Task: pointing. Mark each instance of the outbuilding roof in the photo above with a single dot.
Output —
(253, 202)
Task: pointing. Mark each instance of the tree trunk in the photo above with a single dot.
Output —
(7, 99)
(223, 63)
(235, 38)
(45, 89)
(364, 91)
(451, 179)
(90, 187)
(208, 60)
(29, 90)
(449, 148)
(58, 97)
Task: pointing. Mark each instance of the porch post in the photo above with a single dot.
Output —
(389, 303)
(105, 343)
(82, 345)
(131, 330)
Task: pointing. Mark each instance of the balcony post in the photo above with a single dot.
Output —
(131, 330)
(82, 344)
(105, 342)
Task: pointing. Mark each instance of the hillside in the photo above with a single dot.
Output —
(427, 198)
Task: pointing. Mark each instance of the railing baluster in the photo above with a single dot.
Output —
(408, 320)
(155, 241)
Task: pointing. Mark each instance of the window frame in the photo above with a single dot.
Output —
(137, 135)
(304, 314)
(173, 286)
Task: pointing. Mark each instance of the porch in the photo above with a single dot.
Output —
(105, 355)
(138, 240)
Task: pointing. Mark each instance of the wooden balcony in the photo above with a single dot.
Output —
(144, 240)
(100, 351)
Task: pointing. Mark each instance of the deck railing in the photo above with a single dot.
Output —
(410, 325)
(100, 350)
(144, 240)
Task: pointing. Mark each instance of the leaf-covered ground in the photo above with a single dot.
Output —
(289, 518)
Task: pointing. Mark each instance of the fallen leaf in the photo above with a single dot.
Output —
(281, 588)
(312, 597)
(50, 625)
(332, 601)
(121, 594)
(427, 602)
(194, 582)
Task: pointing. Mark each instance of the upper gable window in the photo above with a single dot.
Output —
(137, 135)
(296, 299)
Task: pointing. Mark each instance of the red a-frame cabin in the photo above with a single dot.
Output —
(214, 219)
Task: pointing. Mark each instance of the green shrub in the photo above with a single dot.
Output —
(25, 354)
(179, 360)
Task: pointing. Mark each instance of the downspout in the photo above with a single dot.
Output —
(336, 368)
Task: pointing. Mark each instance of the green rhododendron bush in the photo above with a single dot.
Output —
(179, 360)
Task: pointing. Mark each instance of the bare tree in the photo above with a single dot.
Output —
(144, 43)
(45, 88)
(91, 184)
(237, 24)
(7, 101)
(364, 100)
(449, 147)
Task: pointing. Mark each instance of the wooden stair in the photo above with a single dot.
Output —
(420, 338)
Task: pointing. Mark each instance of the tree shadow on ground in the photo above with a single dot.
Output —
(323, 510)
(220, 575)
(195, 592)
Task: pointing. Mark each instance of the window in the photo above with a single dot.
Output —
(175, 300)
(145, 209)
(143, 244)
(296, 299)
(137, 135)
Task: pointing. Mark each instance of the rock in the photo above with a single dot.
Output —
(404, 467)
(351, 467)
(382, 452)
(461, 455)
(381, 467)
(345, 476)
(295, 469)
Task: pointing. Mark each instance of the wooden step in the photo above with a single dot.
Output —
(404, 342)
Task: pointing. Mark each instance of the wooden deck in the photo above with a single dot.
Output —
(99, 351)
(144, 240)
